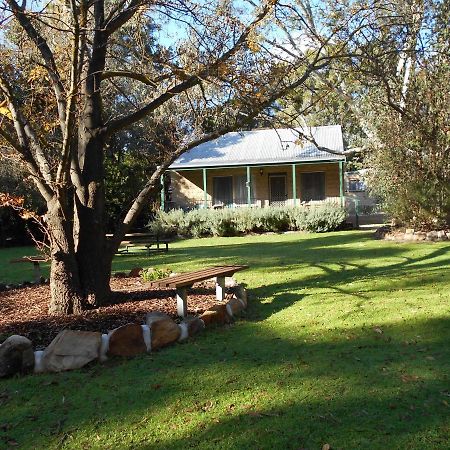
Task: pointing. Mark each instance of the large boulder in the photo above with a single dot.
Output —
(189, 327)
(241, 294)
(127, 340)
(164, 330)
(16, 356)
(216, 315)
(235, 306)
(70, 350)
(135, 272)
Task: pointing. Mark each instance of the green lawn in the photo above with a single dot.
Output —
(345, 342)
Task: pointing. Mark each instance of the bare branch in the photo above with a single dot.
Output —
(46, 54)
(128, 74)
(192, 80)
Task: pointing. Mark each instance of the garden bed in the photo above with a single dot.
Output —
(24, 311)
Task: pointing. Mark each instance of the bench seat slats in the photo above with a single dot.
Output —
(29, 259)
(189, 278)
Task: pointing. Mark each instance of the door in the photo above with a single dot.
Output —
(223, 191)
(277, 189)
(240, 190)
(313, 186)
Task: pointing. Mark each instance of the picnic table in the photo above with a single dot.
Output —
(185, 280)
(147, 240)
(35, 260)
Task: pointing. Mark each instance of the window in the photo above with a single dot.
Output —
(313, 186)
(355, 185)
(223, 190)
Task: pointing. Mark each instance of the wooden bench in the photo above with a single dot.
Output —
(35, 260)
(185, 280)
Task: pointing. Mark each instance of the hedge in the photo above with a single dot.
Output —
(232, 222)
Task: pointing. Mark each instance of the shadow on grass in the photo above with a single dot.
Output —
(247, 387)
(367, 391)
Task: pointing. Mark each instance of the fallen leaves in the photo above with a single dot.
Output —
(24, 311)
(409, 378)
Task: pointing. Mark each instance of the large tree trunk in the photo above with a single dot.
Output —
(66, 297)
(81, 254)
(94, 257)
(80, 274)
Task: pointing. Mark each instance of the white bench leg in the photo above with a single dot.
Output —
(182, 302)
(220, 288)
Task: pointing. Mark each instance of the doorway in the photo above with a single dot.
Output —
(277, 189)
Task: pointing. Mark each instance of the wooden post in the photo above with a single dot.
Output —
(249, 188)
(341, 182)
(220, 288)
(163, 194)
(181, 302)
(205, 204)
(294, 184)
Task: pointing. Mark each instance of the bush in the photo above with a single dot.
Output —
(230, 222)
(152, 274)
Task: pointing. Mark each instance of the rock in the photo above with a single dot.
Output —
(16, 356)
(230, 282)
(71, 350)
(135, 272)
(235, 306)
(241, 294)
(432, 235)
(163, 329)
(409, 231)
(441, 235)
(189, 327)
(120, 275)
(155, 317)
(217, 315)
(127, 340)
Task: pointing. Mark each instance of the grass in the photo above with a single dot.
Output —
(345, 342)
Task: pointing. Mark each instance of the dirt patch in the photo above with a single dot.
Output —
(24, 311)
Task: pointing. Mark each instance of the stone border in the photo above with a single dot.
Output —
(409, 234)
(72, 349)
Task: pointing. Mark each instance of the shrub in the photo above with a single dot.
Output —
(155, 273)
(230, 222)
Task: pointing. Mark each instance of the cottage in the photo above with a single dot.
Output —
(259, 168)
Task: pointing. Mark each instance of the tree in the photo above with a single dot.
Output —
(393, 89)
(62, 66)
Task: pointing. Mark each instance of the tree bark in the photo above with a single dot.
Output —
(80, 275)
(65, 285)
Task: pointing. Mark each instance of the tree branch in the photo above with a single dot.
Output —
(46, 54)
(128, 74)
(26, 135)
(63, 168)
(193, 80)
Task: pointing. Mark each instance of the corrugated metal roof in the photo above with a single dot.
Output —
(264, 147)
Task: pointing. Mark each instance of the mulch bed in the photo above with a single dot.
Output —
(24, 311)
